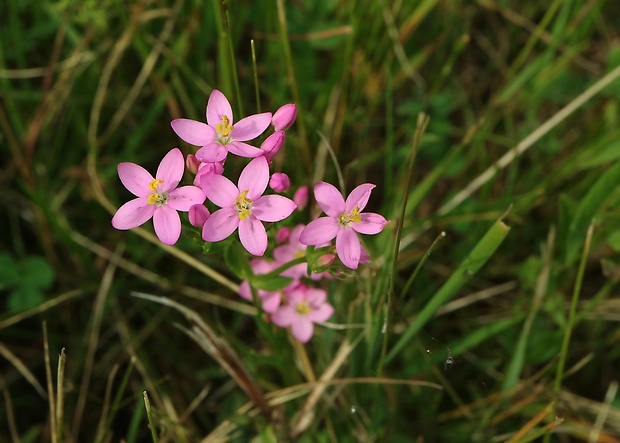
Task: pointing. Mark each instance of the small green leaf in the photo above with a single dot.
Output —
(9, 271)
(24, 297)
(37, 273)
(270, 283)
(237, 260)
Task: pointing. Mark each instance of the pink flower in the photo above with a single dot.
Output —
(208, 168)
(198, 215)
(272, 144)
(304, 307)
(279, 182)
(284, 117)
(290, 251)
(158, 197)
(220, 136)
(301, 197)
(244, 207)
(270, 300)
(344, 220)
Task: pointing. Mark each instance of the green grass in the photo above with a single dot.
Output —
(490, 309)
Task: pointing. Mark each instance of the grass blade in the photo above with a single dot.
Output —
(481, 253)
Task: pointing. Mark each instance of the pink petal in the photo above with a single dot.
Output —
(272, 208)
(251, 127)
(302, 329)
(330, 200)
(370, 223)
(348, 248)
(212, 152)
(254, 178)
(135, 178)
(244, 150)
(270, 301)
(133, 214)
(218, 106)
(185, 197)
(319, 231)
(245, 291)
(359, 197)
(272, 144)
(220, 225)
(284, 117)
(219, 190)
(171, 169)
(193, 132)
(322, 313)
(167, 224)
(253, 235)
(198, 215)
(284, 316)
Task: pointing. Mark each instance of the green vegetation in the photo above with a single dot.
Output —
(490, 311)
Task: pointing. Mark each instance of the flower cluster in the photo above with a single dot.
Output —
(244, 207)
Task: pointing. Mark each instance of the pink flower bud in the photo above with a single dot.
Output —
(283, 234)
(198, 215)
(301, 197)
(284, 117)
(208, 168)
(272, 144)
(326, 260)
(279, 182)
(192, 163)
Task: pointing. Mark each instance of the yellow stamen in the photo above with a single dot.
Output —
(224, 128)
(243, 205)
(303, 308)
(353, 216)
(155, 184)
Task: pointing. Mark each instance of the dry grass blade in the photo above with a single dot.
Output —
(10, 416)
(612, 390)
(22, 369)
(306, 414)
(93, 339)
(40, 308)
(528, 141)
(530, 424)
(218, 349)
(50, 384)
(60, 391)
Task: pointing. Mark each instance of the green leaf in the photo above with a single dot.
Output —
(270, 283)
(37, 273)
(481, 253)
(9, 271)
(587, 210)
(24, 297)
(237, 260)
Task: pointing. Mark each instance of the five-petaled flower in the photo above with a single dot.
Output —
(304, 306)
(158, 197)
(244, 207)
(344, 220)
(221, 134)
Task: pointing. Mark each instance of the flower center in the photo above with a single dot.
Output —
(243, 205)
(303, 308)
(223, 130)
(157, 198)
(354, 216)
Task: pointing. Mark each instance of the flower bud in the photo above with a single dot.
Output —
(272, 144)
(301, 197)
(208, 168)
(284, 117)
(283, 234)
(279, 182)
(192, 163)
(325, 260)
(198, 215)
